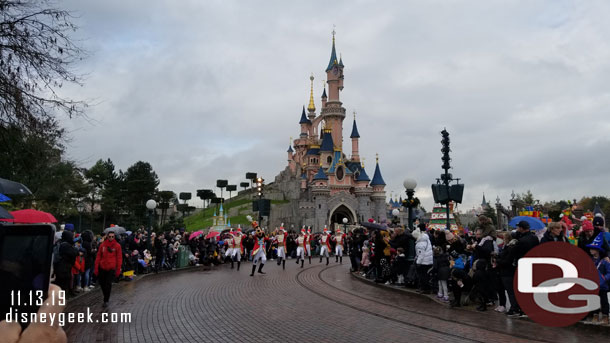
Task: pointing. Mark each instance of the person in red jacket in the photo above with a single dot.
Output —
(108, 264)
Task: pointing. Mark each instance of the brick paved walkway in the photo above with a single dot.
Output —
(314, 304)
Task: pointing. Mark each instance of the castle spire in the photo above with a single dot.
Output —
(333, 55)
(355, 133)
(311, 107)
(377, 178)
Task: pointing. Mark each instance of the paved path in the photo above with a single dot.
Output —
(314, 304)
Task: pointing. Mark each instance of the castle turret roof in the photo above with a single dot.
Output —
(377, 178)
(327, 142)
(362, 176)
(333, 56)
(355, 133)
(320, 175)
(304, 119)
(290, 148)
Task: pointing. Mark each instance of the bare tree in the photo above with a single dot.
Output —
(36, 53)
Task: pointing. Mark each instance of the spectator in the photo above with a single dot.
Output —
(442, 270)
(423, 260)
(526, 240)
(78, 270)
(108, 264)
(554, 233)
(598, 255)
(66, 256)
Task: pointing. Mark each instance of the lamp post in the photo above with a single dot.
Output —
(345, 224)
(150, 205)
(395, 213)
(410, 185)
(80, 207)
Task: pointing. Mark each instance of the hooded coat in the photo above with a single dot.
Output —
(423, 249)
(67, 254)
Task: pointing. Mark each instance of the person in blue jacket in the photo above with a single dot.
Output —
(598, 254)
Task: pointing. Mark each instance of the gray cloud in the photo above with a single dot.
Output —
(209, 90)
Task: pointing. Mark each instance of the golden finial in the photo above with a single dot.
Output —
(311, 107)
(334, 33)
(364, 158)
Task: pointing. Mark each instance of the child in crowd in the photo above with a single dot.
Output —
(603, 270)
(401, 266)
(442, 269)
(78, 269)
(365, 261)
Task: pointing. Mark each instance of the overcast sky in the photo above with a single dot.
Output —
(207, 90)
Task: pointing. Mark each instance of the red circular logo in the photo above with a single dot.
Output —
(556, 284)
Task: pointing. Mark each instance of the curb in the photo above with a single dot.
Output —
(403, 290)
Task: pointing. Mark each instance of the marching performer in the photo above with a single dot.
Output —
(281, 238)
(308, 237)
(324, 244)
(301, 242)
(238, 247)
(258, 252)
(229, 244)
(339, 239)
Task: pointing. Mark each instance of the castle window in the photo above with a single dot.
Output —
(329, 160)
(319, 206)
(340, 173)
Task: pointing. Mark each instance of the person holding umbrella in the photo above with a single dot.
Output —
(108, 264)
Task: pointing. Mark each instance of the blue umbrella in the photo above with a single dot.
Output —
(4, 198)
(535, 223)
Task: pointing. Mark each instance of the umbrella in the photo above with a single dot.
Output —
(373, 226)
(4, 198)
(118, 230)
(4, 214)
(12, 187)
(195, 234)
(212, 234)
(535, 223)
(31, 217)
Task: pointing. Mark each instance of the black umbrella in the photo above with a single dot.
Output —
(4, 214)
(373, 226)
(12, 187)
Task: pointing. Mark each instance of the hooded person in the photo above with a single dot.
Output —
(324, 244)
(90, 252)
(66, 256)
(598, 254)
(108, 264)
(423, 259)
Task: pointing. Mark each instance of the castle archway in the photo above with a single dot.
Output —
(340, 212)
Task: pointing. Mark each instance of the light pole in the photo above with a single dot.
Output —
(410, 185)
(80, 207)
(345, 225)
(395, 213)
(150, 205)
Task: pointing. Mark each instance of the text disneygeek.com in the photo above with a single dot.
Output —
(14, 316)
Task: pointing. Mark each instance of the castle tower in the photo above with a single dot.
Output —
(363, 195)
(333, 113)
(378, 196)
(324, 97)
(305, 125)
(327, 148)
(321, 193)
(311, 108)
(355, 136)
(291, 162)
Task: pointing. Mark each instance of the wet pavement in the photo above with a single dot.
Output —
(314, 304)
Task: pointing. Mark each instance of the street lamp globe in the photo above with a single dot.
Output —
(80, 207)
(151, 204)
(345, 220)
(395, 212)
(409, 184)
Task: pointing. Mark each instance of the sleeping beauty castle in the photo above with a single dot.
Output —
(321, 184)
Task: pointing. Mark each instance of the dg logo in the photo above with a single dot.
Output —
(556, 284)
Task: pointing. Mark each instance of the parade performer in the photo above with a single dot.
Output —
(309, 237)
(339, 239)
(229, 244)
(324, 244)
(238, 247)
(301, 242)
(281, 238)
(258, 252)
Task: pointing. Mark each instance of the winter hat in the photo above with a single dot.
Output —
(448, 235)
(587, 226)
(524, 225)
(598, 220)
(69, 227)
(597, 242)
(416, 233)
